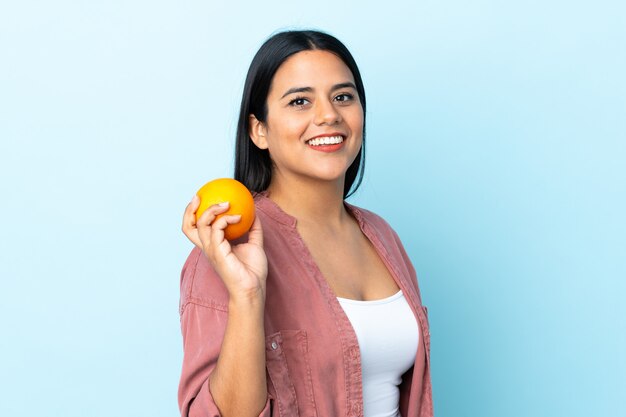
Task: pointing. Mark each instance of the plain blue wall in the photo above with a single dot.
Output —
(496, 148)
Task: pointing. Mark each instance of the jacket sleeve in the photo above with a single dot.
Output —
(203, 328)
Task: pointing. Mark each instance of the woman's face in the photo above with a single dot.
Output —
(314, 125)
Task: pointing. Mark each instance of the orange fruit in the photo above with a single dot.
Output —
(240, 199)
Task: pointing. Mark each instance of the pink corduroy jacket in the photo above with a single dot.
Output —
(312, 355)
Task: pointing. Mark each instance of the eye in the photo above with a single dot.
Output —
(344, 97)
(298, 102)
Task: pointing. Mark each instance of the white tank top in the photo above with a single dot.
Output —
(388, 337)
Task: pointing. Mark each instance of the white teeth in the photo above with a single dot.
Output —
(329, 140)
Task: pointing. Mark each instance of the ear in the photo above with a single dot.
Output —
(257, 132)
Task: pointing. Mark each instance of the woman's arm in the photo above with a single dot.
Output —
(236, 384)
(203, 330)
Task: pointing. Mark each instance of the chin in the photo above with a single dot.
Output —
(332, 176)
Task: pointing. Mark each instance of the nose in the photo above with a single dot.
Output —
(326, 113)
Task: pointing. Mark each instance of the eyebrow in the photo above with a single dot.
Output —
(309, 89)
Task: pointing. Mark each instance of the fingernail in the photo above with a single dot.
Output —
(224, 204)
(193, 199)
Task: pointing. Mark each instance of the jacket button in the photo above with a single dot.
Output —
(274, 345)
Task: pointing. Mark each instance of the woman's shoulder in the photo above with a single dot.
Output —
(270, 213)
(369, 219)
(200, 284)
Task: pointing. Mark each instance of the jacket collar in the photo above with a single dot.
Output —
(265, 204)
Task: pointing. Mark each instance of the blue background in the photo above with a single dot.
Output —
(496, 148)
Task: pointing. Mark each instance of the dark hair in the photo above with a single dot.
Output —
(253, 166)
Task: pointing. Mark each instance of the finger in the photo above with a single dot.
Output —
(218, 226)
(193, 204)
(255, 235)
(193, 237)
(203, 224)
(196, 240)
(220, 246)
(189, 222)
(189, 217)
(204, 235)
(211, 213)
(205, 221)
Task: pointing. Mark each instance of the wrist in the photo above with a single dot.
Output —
(250, 299)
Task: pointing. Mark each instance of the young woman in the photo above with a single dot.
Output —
(317, 312)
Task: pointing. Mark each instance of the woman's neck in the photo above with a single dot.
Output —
(319, 204)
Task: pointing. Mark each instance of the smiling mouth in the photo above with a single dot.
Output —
(328, 140)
